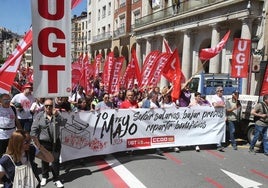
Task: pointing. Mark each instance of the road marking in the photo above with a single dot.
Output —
(244, 182)
(213, 182)
(111, 175)
(215, 153)
(259, 173)
(124, 173)
(171, 157)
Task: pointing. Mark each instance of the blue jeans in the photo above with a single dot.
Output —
(265, 140)
(258, 131)
(231, 125)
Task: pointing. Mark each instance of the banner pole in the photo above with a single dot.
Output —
(198, 70)
(54, 126)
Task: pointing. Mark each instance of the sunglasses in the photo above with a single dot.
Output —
(220, 91)
(48, 105)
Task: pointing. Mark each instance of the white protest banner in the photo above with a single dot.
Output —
(51, 47)
(108, 131)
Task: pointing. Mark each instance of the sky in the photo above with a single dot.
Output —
(16, 16)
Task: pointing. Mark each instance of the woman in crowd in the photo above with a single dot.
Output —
(20, 153)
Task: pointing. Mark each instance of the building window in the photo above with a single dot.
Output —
(99, 15)
(89, 35)
(103, 12)
(89, 17)
(122, 3)
(109, 8)
(122, 21)
(137, 14)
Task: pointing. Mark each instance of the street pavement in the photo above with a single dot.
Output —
(208, 168)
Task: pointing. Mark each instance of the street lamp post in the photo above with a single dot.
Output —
(254, 46)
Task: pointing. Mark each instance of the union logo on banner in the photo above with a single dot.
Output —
(240, 58)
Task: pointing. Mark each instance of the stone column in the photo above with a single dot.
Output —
(138, 53)
(214, 64)
(246, 34)
(163, 80)
(148, 45)
(186, 64)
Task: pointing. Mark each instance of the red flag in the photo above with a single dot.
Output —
(9, 69)
(97, 64)
(80, 59)
(240, 58)
(75, 3)
(264, 87)
(132, 72)
(76, 76)
(115, 75)
(107, 70)
(167, 47)
(208, 53)
(172, 72)
(147, 67)
(87, 73)
(157, 69)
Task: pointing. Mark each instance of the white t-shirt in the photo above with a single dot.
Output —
(77, 96)
(167, 105)
(7, 120)
(26, 102)
(37, 107)
(218, 100)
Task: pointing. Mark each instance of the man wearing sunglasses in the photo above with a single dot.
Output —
(43, 128)
(8, 121)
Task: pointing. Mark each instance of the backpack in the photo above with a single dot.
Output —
(23, 176)
(10, 167)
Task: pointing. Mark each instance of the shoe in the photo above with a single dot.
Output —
(235, 147)
(58, 183)
(197, 148)
(43, 182)
(251, 150)
(266, 154)
(220, 148)
(176, 149)
(159, 152)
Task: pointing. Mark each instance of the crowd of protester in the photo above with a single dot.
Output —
(24, 112)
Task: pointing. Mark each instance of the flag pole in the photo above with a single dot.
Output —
(198, 70)
(54, 126)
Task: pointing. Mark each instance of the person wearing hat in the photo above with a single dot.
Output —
(233, 111)
(23, 102)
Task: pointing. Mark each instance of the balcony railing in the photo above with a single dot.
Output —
(185, 6)
(119, 32)
(101, 37)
